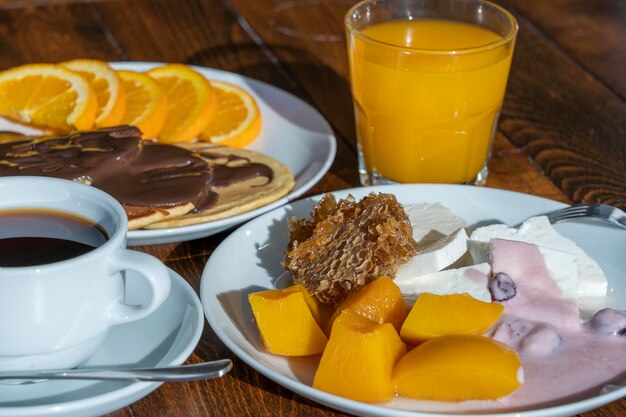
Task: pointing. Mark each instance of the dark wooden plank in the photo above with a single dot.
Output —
(592, 32)
(307, 38)
(510, 169)
(52, 34)
(22, 4)
(567, 121)
(192, 32)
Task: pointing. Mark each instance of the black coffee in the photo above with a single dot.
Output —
(39, 237)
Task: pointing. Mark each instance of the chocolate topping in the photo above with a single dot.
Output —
(135, 172)
(236, 166)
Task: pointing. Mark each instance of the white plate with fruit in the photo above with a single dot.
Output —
(288, 129)
(259, 247)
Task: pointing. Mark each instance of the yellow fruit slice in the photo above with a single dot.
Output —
(146, 103)
(438, 315)
(359, 358)
(108, 87)
(191, 102)
(47, 95)
(458, 368)
(380, 301)
(287, 320)
(237, 121)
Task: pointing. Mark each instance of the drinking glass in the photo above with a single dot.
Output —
(428, 78)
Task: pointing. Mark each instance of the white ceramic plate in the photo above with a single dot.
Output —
(166, 337)
(259, 246)
(292, 132)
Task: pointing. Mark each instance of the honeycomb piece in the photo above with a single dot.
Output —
(347, 244)
(302, 229)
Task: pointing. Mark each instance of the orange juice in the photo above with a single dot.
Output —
(427, 95)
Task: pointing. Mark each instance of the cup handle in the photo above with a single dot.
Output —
(153, 271)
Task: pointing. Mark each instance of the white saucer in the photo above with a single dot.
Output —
(166, 337)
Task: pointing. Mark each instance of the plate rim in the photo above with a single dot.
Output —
(128, 394)
(361, 408)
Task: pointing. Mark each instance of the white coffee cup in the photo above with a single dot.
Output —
(56, 315)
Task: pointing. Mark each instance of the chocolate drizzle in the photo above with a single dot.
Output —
(135, 172)
(236, 167)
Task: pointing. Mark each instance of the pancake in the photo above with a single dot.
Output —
(159, 185)
(244, 180)
(139, 217)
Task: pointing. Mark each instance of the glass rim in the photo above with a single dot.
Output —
(502, 40)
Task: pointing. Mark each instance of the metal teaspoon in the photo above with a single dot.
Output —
(205, 370)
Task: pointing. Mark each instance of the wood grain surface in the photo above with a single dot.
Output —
(562, 133)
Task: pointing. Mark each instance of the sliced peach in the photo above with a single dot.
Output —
(359, 358)
(380, 301)
(288, 321)
(458, 368)
(438, 315)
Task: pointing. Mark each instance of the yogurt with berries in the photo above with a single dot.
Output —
(570, 345)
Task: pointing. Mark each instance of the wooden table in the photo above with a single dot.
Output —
(562, 133)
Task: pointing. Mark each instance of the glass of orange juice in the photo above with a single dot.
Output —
(428, 79)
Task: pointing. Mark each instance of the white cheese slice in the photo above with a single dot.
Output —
(592, 283)
(432, 221)
(435, 256)
(470, 279)
(563, 269)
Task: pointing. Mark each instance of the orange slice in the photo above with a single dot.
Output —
(108, 87)
(47, 95)
(191, 102)
(146, 103)
(237, 121)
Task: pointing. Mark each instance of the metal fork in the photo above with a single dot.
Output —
(600, 212)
